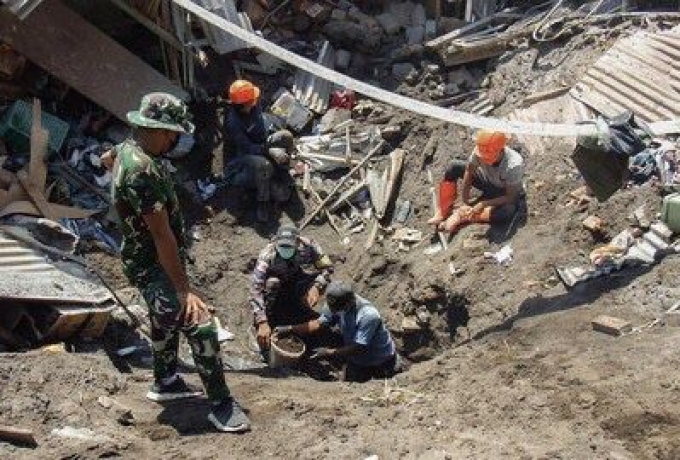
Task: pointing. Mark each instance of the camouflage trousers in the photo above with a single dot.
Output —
(167, 320)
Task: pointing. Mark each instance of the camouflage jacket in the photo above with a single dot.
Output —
(309, 259)
(141, 185)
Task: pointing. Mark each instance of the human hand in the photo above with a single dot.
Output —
(465, 211)
(108, 158)
(283, 331)
(320, 353)
(312, 297)
(478, 208)
(264, 334)
(194, 309)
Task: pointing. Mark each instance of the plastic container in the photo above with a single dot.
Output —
(670, 212)
(15, 128)
(286, 351)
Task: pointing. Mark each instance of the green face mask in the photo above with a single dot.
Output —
(286, 252)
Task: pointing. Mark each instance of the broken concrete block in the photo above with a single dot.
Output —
(337, 14)
(409, 325)
(662, 231)
(611, 325)
(415, 35)
(389, 23)
(400, 71)
(594, 224)
(418, 16)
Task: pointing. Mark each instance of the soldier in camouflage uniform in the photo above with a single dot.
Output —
(154, 257)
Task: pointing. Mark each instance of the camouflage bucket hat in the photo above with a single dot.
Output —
(162, 111)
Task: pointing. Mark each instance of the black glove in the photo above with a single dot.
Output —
(282, 331)
(321, 353)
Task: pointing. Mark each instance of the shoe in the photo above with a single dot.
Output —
(228, 417)
(178, 389)
(262, 212)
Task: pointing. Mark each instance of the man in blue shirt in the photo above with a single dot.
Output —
(367, 347)
(259, 157)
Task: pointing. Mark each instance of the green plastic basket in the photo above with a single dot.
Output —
(15, 128)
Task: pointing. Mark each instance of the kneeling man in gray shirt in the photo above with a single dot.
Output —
(367, 347)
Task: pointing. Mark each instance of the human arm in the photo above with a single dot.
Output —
(257, 300)
(466, 186)
(308, 328)
(167, 251)
(510, 196)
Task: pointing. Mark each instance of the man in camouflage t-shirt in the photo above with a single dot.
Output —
(154, 257)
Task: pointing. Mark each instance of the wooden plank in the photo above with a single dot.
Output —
(37, 168)
(49, 210)
(86, 59)
(36, 196)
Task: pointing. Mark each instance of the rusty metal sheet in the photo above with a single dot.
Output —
(73, 50)
(639, 73)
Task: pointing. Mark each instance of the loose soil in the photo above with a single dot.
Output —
(289, 344)
(507, 367)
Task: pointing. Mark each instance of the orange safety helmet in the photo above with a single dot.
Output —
(243, 92)
(490, 145)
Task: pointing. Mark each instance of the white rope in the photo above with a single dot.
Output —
(397, 100)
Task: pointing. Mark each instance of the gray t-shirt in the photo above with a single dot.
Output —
(362, 325)
(508, 172)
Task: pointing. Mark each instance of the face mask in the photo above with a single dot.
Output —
(286, 252)
(172, 145)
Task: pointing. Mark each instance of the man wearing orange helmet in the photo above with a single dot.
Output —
(496, 171)
(259, 153)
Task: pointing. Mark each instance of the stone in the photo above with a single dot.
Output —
(410, 325)
(463, 78)
(418, 16)
(451, 89)
(337, 14)
(415, 35)
(611, 325)
(402, 12)
(400, 71)
(594, 224)
(413, 77)
(122, 414)
(389, 23)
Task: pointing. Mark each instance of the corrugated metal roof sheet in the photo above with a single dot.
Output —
(29, 275)
(561, 109)
(640, 73)
(21, 8)
(15, 256)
